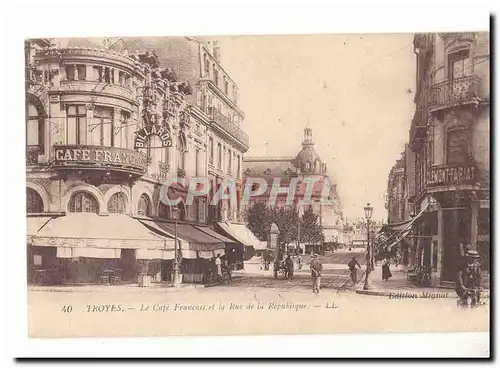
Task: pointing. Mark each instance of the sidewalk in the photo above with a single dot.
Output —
(114, 288)
(399, 285)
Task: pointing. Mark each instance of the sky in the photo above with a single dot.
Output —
(355, 91)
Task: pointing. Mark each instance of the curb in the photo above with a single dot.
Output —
(408, 294)
(133, 289)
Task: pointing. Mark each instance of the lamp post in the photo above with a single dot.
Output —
(175, 279)
(369, 248)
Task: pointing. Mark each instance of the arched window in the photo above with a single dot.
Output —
(83, 202)
(117, 203)
(34, 203)
(144, 206)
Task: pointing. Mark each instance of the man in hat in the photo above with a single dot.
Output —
(469, 277)
(316, 268)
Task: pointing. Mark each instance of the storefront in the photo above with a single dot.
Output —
(243, 236)
(88, 248)
(198, 246)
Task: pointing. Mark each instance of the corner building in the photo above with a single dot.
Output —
(449, 137)
(105, 129)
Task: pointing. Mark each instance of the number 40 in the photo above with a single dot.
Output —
(67, 309)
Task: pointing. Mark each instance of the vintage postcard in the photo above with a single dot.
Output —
(251, 185)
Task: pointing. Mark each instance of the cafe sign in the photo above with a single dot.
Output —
(100, 157)
(451, 175)
(143, 135)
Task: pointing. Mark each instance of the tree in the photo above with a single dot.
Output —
(311, 232)
(259, 218)
(287, 220)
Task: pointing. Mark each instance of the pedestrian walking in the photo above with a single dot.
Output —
(386, 271)
(218, 264)
(353, 271)
(316, 268)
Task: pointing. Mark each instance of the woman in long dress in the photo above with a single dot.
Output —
(386, 271)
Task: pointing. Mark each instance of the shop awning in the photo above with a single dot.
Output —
(88, 252)
(35, 223)
(194, 239)
(92, 230)
(242, 234)
(215, 234)
(154, 254)
(397, 232)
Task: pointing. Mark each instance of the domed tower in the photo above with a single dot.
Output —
(308, 161)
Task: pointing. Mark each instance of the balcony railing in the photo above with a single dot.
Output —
(100, 158)
(455, 91)
(231, 128)
(445, 175)
(98, 87)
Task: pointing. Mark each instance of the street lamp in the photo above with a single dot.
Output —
(369, 248)
(176, 279)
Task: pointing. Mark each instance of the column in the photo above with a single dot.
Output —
(75, 72)
(473, 225)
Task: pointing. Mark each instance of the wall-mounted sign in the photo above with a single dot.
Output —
(100, 156)
(143, 135)
(451, 175)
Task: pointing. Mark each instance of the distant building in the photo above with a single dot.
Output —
(305, 165)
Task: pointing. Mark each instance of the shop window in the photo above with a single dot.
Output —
(83, 202)
(483, 221)
(117, 203)
(34, 203)
(456, 146)
(101, 130)
(76, 124)
(34, 127)
(144, 206)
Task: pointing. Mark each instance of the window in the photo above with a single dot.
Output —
(121, 132)
(82, 72)
(459, 64)
(215, 75)
(219, 155)
(98, 75)
(117, 203)
(102, 132)
(229, 160)
(83, 202)
(197, 162)
(34, 127)
(70, 72)
(456, 146)
(211, 149)
(34, 203)
(239, 165)
(144, 206)
(226, 85)
(206, 65)
(76, 129)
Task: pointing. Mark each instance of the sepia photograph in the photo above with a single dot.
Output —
(195, 184)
